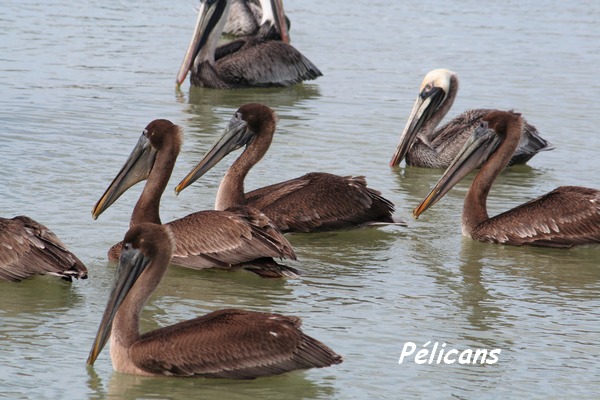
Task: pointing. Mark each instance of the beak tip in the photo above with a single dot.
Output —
(416, 213)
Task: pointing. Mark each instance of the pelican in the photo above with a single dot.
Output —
(246, 62)
(28, 248)
(314, 202)
(261, 18)
(227, 343)
(567, 216)
(227, 239)
(424, 147)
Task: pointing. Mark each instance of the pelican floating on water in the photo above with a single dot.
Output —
(260, 18)
(28, 248)
(228, 343)
(314, 202)
(424, 146)
(567, 216)
(246, 62)
(238, 237)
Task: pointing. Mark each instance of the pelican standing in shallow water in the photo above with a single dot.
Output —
(260, 18)
(228, 343)
(424, 146)
(28, 248)
(567, 216)
(246, 62)
(314, 202)
(238, 237)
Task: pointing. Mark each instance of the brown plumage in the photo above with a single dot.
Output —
(424, 146)
(240, 237)
(314, 202)
(567, 216)
(246, 62)
(228, 343)
(28, 248)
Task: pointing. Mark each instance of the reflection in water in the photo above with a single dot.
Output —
(476, 301)
(284, 97)
(206, 107)
(208, 290)
(293, 385)
(576, 276)
(355, 252)
(95, 385)
(40, 294)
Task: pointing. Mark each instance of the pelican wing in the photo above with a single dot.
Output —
(28, 248)
(229, 48)
(451, 136)
(211, 238)
(567, 216)
(231, 344)
(531, 143)
(462, 126)
(238, 235)
(321, 201)
(266, 63)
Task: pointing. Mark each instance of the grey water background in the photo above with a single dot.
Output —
(80, 81)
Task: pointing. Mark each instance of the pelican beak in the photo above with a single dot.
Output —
(425, 105)
(280, 21)
(209, 17)
(237, 134)
(131, 265)
(476, 150)
(136, 169)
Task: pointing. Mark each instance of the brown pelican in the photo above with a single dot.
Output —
(228, 343)
(261, 18)
(424, 147)
(567, 216)
(228, 238)
(246, 62)
(28, 248)
(313, 202)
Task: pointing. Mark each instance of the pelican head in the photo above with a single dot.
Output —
(241, 130)
(147, 249)
(273, 15)
(433, 94)
(139, 163)
(477, 149)
(212, 16)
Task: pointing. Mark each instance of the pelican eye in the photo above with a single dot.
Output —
(127, 246)
(426, 92)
